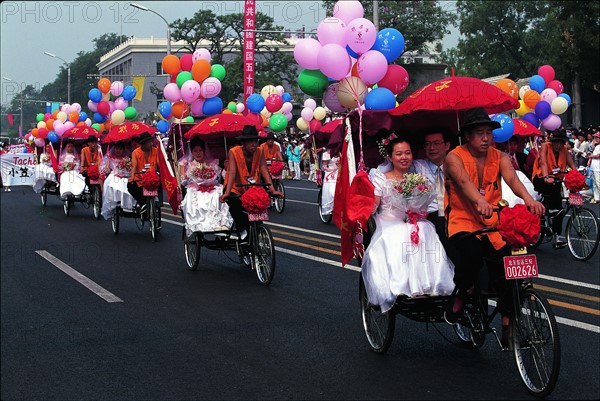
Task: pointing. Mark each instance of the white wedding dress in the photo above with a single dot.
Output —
(115, 191)
(43, 172)
(328, 192)
(71, 182)
(393, 265)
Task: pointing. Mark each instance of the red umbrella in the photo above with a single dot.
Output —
(126, 131)
(80, 133)
(525, 128)
(220, 125)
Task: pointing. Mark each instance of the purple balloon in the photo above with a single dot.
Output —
(531, 118)
(552, 122)
(331, 100)
(542, 109)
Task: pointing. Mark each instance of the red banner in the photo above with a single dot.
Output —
(249, 41)
(10, 119)
(169, 182)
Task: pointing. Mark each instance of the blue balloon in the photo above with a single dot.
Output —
(537, 83)
(542, 109)
(24, 150)
(255, 103)
(286, 97)
(83, 116)
(567, 97)
(531, 118)
(129, 92)
(390, 43)
(95, 95)
(52, 137)
(213, 105)
(162, 126)
(99, 118)
(351, 52)
(165, 109)
(506, 130)
(380, 99)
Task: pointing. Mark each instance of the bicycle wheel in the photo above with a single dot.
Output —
(545, 234)
(97, 199)
(153, 218)
(325, 218)
(379, 327)
(279, 202)
(263, 258)
(192, 249)
(67, 207)
(535, 342)
(582, 233)
(114, 221)
(44, 196)
(464, 334)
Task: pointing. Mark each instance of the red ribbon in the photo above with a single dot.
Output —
(413, 218)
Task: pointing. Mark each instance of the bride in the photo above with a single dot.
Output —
(117, 165)
(405, 255)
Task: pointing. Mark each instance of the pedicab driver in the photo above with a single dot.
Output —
(143, 159)
(246, 161)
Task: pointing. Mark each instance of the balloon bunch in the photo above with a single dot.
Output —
(274, 106)
(233, 108)
(311, 116)
(350, 50)
(194, 87)
(110, 103)
(53, 125)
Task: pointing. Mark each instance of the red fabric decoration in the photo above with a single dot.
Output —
(255, 200)
(276, 168)
(518, 226)
(150, 180)
(574, 181)
(413, 218)
(93, 172)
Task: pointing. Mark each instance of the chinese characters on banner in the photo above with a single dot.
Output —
(18, 168)
(249, 35)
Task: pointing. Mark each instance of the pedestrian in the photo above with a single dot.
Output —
(517, 158)
(594, 165)
(296, 161)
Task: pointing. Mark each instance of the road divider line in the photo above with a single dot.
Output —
(568, 293)
(80, 278)
(572, 282)
(304, 230)
(316, 248)
(305, 237)
(335, 263)
(574, 307)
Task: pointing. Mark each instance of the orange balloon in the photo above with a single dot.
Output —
(201, 70)
(227, 111)
(55, 113)
(104, 85)
(171, 64)
(531, 98)
(509, 86)
(50, 124)
(107, 125)
(34, 132)
(80, 124)
(74, 117)
(265, 121)
(180, 110)
(354, 70)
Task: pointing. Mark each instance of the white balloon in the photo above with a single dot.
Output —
(310, 103)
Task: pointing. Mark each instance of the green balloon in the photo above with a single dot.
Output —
(130, 113)
(217, 71)
(232, 106)
(96, 126)
(189, 119)
(313, 82)
(40, 117)
(182, 77)
(278, 122)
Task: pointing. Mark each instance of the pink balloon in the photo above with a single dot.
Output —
(69, 125)
(186, 62)
(196, 107)
(116, 88)
(548, 95)
(372, 67)
(59, 128)
(395, 79)
(334, 61)
(172, 92)
(557, 86)
(76, 107)
(111, 107)
(332, 30)
(39, 142)
(546, 72)
(330, 99)
(348, 10)
(120, 103)
(287, 107)
(201, 54)
(66, 108)
(93, 106)
(361, 35)
(47, 116)
(240, 107)
(210, 87)
(552, 122)
(190, 90)
(305, 53)
(307, 114)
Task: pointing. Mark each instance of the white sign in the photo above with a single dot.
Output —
(17, 169)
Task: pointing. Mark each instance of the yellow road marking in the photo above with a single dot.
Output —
(306, 237)
(568, 293)
(302, 244)
(574, 307)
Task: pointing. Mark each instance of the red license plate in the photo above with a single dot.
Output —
(575, 199)
(522, 266)
(258, 216)
(147, 192)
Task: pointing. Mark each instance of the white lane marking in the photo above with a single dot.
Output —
(572, 282)
(305, 202)
(301, 189)
(83, 280)
(302, 230)
(335, 263)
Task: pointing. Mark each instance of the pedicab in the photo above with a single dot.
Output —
(46, 174)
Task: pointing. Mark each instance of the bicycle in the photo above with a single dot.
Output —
(277, 202)
(533, 331)
(325, 217)
(581, 229)
(152, 214)
(91, 196)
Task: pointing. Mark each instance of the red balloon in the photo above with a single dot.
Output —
(314, 125)
(186, 62)
(395, 79)
(47, 116)
(546, 72)
(557, 86)
(103, 107)
(274, 103)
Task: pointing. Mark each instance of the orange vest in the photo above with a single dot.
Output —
(270, 153)
(551, 160)
(140, 161)
(242, 173)
(461, 214)
(87, 159)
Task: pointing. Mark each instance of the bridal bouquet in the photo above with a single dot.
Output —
(202, 172)
(68, 166)
(45, 158)
(124, 164)
(412, 195)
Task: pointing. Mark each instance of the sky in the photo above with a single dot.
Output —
(64, 28)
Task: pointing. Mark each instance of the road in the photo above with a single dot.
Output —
(146, 327)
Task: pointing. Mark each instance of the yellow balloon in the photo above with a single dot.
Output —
(268, 90)
(559, 105)
(301, 124)
(41, 124)
(397, 104)
(523, 109)
(319, 113)
(117, 117)
(62, 116)
(265, 113)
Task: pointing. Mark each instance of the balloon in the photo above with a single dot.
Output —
(104, 85)
(278, 122)
(165, 109)
(117, 117)
(95, 95)
(280, 89)
(96, 126)
(286, 97)
(531, 98)
(266, 113)
(111, 107)
(69, 125)
(47, 116)
(129, 92)
(201, 54)
(218, 71)
(106, 96)
(306, 52)
(522, 109)
(522, 91)
(557, 86)
(360, 35)
(537, 83)
(332, 30)
(99, 118)
(231, 106)
(76, 107)
(103, 108)
(314, 125)
(567, 97)
(310, 103)
(59, 128)
(319, 113)
(334, 61)
(548, 95)
(352, 53)
(559, 105)
(180, 110)
(395, 79)
(50, 124)
(116, 88)
(93, 106)
(542, 109)
(508, 86)
(348, 10)
(120, 103)
(372, 67)
(273, 103)
(255, 103)
(312, 82)
(380, 99)
(547, 73)
(186, 63)
(163, 125)
(531, 118)
(287, 107)
(201, 70)
(39, 117)
(171, 64)
(240, 107)
(301, 124)
(73, 116)
(351, 91)
(83, 116)
(330, 99)
(88, 122)
(172, 92)
(288, 116)
(183, 77)
(52, 137)
(190, 90)
(212, 106)
(552, 122)
(268, 90)
(211, 87)
(39, 142)
(196, 108)
(42, 132)
(41, 124)
(390, 43)
(189, 119)
(62, 116)
(506, 130)
(307, 114)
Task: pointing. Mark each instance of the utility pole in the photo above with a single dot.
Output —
(376, 14)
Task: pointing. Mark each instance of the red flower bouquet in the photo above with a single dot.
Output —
(93, 172)
(518, 226)
(276, 168)
(150, 180)
(574, 181)
(255, 200)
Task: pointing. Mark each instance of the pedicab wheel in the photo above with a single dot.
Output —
(191, 249)
(263, 257)
(464, 334)
(44, 196)
(325, 218)
(379, 327)
(67, 207)
(535, 343)
(153, 217)
(582, 233)
(97, 199)
(114, 221)
(279, 202)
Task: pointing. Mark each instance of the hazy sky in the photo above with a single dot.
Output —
(64, 28)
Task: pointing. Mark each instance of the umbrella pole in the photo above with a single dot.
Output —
(458, 125)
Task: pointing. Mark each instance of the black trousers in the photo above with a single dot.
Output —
(240, 217)
(440, 228)
(552, 200)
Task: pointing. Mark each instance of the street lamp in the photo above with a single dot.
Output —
(68, 74)
(140, 7)
(21, 113)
